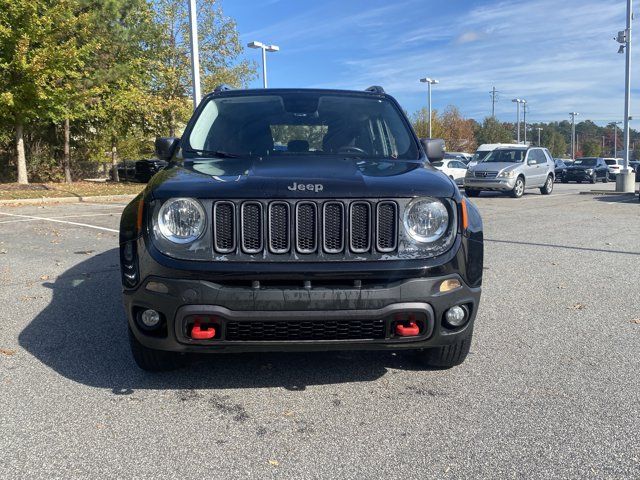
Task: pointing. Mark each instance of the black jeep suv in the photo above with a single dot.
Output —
(300, 220)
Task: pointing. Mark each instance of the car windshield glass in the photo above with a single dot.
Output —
(480, 155)
(296, 124)
(586, 162)
(506, 155)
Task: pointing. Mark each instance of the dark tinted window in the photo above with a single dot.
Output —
(586, 162)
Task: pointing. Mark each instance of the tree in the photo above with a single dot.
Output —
(219, 49)
(458, 132)
(591, 148)
(36, 54)
(492, 131)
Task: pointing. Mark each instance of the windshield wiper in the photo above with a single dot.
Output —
(218, 153)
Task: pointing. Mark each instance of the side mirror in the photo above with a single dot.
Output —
(165, 147)
(532, 161)
(433, 148)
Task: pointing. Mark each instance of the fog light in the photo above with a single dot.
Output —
(456, 316)
(150, 318)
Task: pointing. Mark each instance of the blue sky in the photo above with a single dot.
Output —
(558, 54)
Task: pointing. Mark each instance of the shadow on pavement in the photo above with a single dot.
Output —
(82, 335)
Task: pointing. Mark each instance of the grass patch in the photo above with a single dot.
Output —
(14, 191)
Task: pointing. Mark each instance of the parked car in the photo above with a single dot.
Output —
(145, 169)
(512, 170)
(560, 168)
(636, 168)
(126, 171)
(486, 148)
(454, 169)
(350, 240)
(463, 157)
(587, 169)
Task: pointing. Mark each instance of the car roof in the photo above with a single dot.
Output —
(276, 91)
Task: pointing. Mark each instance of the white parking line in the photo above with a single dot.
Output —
(61, 216)
(60, 221)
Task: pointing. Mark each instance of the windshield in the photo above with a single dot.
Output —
(300, 124)
(510, 155)
(480, 155)
(586, 162)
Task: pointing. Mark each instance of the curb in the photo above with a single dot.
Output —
(46, 200)
(608, 192)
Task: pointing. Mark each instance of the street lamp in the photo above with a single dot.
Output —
(573, 134)
(195, 57)
(626, 182)
(539, 130)
(518, 101)
(615, 138)
(524, 117)
(429, 82)
(265, 49)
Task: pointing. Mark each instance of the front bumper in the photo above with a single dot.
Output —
(275, 307)
(497, 184)
(576, 177)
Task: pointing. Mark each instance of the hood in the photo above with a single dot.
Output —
(301, 177)
(495, 166)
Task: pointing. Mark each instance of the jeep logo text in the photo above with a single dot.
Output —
(309, 187)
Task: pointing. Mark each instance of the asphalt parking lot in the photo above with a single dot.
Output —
(551, 388)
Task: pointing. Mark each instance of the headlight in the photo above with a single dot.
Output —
(426, 219)
(589, 171)
(469, 173)
(509, 174)
(181, 220)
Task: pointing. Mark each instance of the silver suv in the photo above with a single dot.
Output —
(512, 170)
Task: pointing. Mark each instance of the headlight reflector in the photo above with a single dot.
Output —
(426, 219)
(508, 174)
(181, 220)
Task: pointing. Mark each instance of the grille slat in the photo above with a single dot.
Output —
(386, 226)
(360, 227)
(306, 227)
(224, 230)
(247, 331)
(251, 219)
(333, 227)
(279, 227)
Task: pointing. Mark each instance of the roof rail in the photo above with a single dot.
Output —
(222, 88)
(375, 89)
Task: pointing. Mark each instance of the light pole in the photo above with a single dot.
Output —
(195, 56)
(539, 130)
(524, 118)
(265, 49)
(429, 82)
(517, 101)
(615, 138)
(573, 134)
(624, 181)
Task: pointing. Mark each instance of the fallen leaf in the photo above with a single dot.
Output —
(3, 251)
(447, 470)
(577, 306)
(275, 463)
(288, 413)
(562, 287)
(554, 263)
(7, 351)
(636, 321)
(44, 277)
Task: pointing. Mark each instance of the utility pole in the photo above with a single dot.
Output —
(615, 138)
(494, 98)
(624, 181)
(539, 130)
(573, 134)
(603, 144)
(195, 56)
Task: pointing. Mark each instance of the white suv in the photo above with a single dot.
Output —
(512, 170)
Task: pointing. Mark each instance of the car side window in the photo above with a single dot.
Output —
(537, 155)
(457, 165)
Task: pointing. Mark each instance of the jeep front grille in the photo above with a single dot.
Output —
(305, 330)
(302, 229)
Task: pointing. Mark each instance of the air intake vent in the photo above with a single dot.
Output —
(224, 228)
(251, 220)
(306, 227)
(279, 227)
(387, 226)
(360, 226)
(333, 227)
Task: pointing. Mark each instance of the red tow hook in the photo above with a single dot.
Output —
(411, 329)
(197, 333)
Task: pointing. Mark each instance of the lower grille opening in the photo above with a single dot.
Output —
(306, 330)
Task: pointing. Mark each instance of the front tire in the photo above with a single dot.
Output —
(472, 193)
(153, 360)
(445, 357)
(594, 178)
(518, 188)
(548, 186)
(606, 178)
